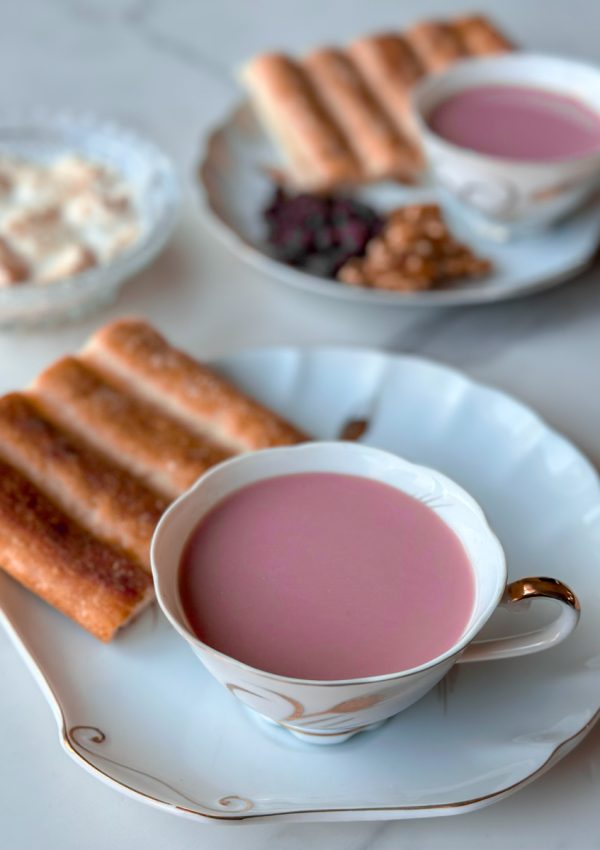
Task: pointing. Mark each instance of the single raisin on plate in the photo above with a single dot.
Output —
(318, 233)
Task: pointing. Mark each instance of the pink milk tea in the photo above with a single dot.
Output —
(326, 576)
(518, 122)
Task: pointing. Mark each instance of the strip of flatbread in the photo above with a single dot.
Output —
(480, 36)
(391, 68)
(132, 353)
(44, 549)
(135, 434)
(382, 150)
(101, 496)
(312, 145)
(436, 44)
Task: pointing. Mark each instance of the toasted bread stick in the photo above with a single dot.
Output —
(44, 549)
(98, 494)
(381, 149)
(480, 37)
(436, 44)
(132, 353)
(391, 68)
(136, 435)
(312, 145)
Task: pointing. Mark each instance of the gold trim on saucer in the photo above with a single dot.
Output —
(300, 730)
(208, 814)
(81, 736)
(458, 806)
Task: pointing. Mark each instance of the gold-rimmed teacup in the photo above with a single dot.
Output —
(328, 712)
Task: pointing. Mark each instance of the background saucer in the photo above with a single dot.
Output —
(235, 185)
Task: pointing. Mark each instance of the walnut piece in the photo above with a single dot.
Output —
(414, 251)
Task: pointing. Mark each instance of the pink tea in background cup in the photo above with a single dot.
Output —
(512, 141)
(329, 586)
(523, 123)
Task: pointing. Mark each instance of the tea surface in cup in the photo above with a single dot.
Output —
(326, 576)
(517, 122)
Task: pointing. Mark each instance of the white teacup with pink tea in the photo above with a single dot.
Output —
(329, 586)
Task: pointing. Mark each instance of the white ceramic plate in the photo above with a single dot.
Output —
(235, 187)
(143, 715)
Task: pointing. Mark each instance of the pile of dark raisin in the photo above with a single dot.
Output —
(318, 233)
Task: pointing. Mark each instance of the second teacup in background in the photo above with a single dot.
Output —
(503, 196)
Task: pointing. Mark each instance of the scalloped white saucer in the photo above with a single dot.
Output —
(143, 715)
(235, 186)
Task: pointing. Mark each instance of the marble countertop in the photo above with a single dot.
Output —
(166, 69)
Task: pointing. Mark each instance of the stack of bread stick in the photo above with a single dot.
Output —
(342, 116)
(92, 453)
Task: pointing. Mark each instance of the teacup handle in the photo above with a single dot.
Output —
(547, 636)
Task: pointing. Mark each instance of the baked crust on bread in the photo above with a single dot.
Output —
(100, 495)
(330, 114)
(436, 44)
(43, 548)
(480, 37)
(133, 354)
(135, 434)
(381, 148)
(91, 455)
(317, 154)
(391, 68)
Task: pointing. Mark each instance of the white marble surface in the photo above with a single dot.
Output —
(165, 67)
